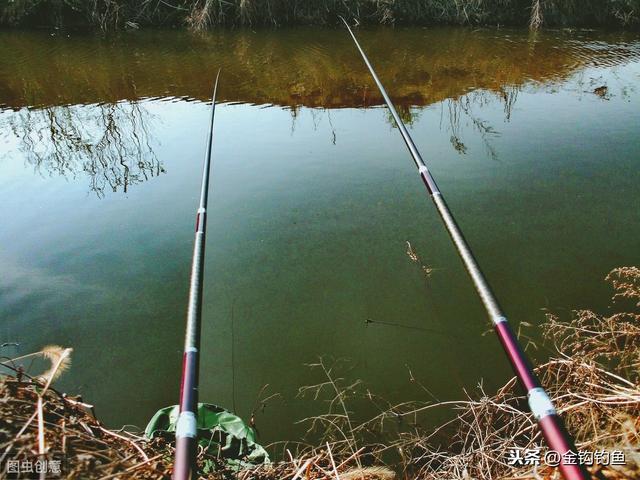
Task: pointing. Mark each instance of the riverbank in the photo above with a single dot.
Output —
(202, 14)
(593, 380)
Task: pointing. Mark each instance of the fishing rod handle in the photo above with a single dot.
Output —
(186, 428)
(185, 451)
(555, 434)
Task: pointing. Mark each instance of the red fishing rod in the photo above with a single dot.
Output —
(186, 428)
(540, 404)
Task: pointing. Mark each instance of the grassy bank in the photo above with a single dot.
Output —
(593, 379)
(200, 14)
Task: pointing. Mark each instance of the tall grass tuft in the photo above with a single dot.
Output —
(535, 22)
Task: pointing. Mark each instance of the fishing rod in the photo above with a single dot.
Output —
(186, 428)
(540, 404)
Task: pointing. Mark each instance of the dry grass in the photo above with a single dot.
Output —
(593, 380)
(413, 256)
(535, 21)
(67, 431)
(626, 282)
(200, 14)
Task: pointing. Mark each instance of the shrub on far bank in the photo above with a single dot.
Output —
(202, 14)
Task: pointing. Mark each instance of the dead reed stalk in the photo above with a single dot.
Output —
(535, 22)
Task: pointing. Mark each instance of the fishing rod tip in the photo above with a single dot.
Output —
(343, 21)
(215, 87)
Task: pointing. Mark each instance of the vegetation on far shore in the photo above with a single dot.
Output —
(594, 380)
(201, 14)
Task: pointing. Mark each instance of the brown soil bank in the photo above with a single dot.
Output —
(594, 381)
(198, 14)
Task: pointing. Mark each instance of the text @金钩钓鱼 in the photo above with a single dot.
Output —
(519, 457)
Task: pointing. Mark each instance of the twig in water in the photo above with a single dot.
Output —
(415, 259)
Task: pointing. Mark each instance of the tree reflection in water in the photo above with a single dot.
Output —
(464, 106)
(108, 142)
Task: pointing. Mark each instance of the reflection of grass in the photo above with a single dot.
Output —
(463, 105)
(109, 143)
(293, 67)
(311, 67)
(199, 14)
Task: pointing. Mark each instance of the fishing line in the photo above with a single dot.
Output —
(233, 358)
(368, 322)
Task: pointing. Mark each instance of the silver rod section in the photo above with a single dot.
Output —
(480, 283)
(197, 267)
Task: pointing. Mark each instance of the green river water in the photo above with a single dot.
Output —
(313, 201)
